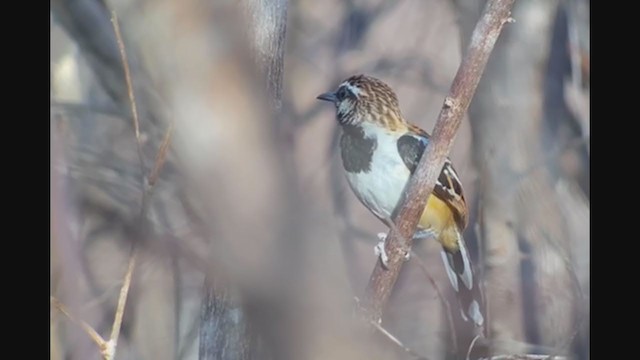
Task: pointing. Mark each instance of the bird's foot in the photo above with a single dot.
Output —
(380, 251)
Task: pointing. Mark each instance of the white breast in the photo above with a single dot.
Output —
(381, 187)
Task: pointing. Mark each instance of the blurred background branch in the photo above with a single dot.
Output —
(527, 223)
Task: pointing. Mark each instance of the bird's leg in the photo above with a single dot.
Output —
(423, 234)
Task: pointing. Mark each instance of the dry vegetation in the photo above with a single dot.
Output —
(217, 188)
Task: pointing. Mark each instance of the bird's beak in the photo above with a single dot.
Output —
(328, 96)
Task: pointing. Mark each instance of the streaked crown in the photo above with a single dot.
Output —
(362, 98)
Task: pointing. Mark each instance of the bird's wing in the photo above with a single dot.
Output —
(448, 187)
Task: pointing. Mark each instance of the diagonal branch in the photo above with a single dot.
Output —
(395, 341)
(93, 334)
(485, 34)
(122, 300)
(147, 188)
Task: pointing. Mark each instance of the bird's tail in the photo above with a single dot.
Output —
(460, 272)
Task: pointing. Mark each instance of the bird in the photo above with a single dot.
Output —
(380, 150)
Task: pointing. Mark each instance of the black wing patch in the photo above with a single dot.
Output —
(411, 149)
(448, 187)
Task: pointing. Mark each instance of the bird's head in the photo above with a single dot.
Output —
(361, 98)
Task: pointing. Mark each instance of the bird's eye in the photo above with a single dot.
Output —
(343, 93)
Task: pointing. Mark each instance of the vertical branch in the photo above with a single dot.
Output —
(224, 332)
(496, 14)
(269, 25)
(226, 324)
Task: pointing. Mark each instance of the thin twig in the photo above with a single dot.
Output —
(122, 301)
(159, 162)
(132, 98)
(146, 190)
(421, 184)
(124, 290)
(473, 342)
(146, 193)
(445, 302)
(161, 156)
(107, 348)
(102, 344)
(395, 340)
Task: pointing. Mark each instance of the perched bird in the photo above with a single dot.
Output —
(380, 150)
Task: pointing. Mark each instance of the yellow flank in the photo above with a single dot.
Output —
(439, 218)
